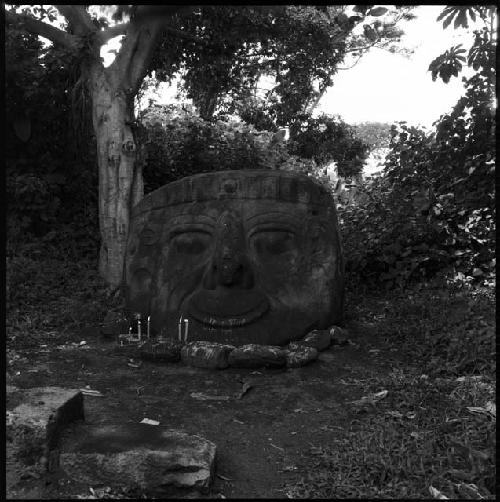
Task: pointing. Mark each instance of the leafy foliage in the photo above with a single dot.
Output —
(325, 139)
(226, 49)
(481, 53)
(448, 64)
(460, 15)
(177, 142)
(374, 134)
(50, 178)
(432, 213)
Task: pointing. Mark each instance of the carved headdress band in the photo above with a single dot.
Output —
(283, 186)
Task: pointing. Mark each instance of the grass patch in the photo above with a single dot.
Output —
(52, 295)
(433, 429)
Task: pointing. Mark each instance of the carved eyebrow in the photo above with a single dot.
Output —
(189, 223)
(273, 220)
(182, 228)
(272, 215)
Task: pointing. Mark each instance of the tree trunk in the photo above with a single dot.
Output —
(120, 182)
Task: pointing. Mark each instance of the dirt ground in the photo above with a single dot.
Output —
(266, 438)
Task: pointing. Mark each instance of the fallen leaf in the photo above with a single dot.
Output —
(489, 409)
(148, 421)
(437, 494)
(90, 392)
(371, 398)
(395, 414)
(224, 478)
(277, 447)
(246, 387)
(204, 397)
(469, 491)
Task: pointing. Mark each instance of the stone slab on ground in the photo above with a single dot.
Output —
(152, 459)
(318, 339)
(34, 425)
(339, 336)
(206, 354)
(300, 355)
(168, 351)
(256, 356)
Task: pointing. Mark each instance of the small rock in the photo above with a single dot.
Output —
(255, 356)
(300, 355)
(317, 339)
(339, 336)
(203, 354)
(35, 425)
(156, 460)
(165, 351)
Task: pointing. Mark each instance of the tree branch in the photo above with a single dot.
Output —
(43, 29)
(131, 64)
(111, 32)
(78, 17)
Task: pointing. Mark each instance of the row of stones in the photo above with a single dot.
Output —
(211, 355)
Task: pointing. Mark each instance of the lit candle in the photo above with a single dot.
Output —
(149, 322)
(139, 326)
(180, 329)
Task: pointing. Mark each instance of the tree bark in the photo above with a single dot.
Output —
(112, 93)
(120, 182)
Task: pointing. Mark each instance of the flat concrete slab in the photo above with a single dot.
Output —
(153, 459)
(35, 419)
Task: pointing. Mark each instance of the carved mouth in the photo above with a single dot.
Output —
(227, 308)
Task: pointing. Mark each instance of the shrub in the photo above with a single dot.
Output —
(433, 210)
(326, 139)
(177, 143)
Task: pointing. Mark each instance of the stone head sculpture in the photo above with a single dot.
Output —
(246, 256)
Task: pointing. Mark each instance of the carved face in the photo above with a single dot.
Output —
(242, 270)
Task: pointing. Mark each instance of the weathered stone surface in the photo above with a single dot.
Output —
(245, 256)
(38, 420)
(206, 355)
(339, 336)
(255, 356)
(318, 339)
(165, 351)
(300, 355)
(156, 460)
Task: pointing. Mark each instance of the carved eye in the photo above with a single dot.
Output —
(193, 243)
(273, 242)
(148, 236)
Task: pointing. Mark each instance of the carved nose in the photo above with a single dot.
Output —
(230, 271)
(229, 266)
